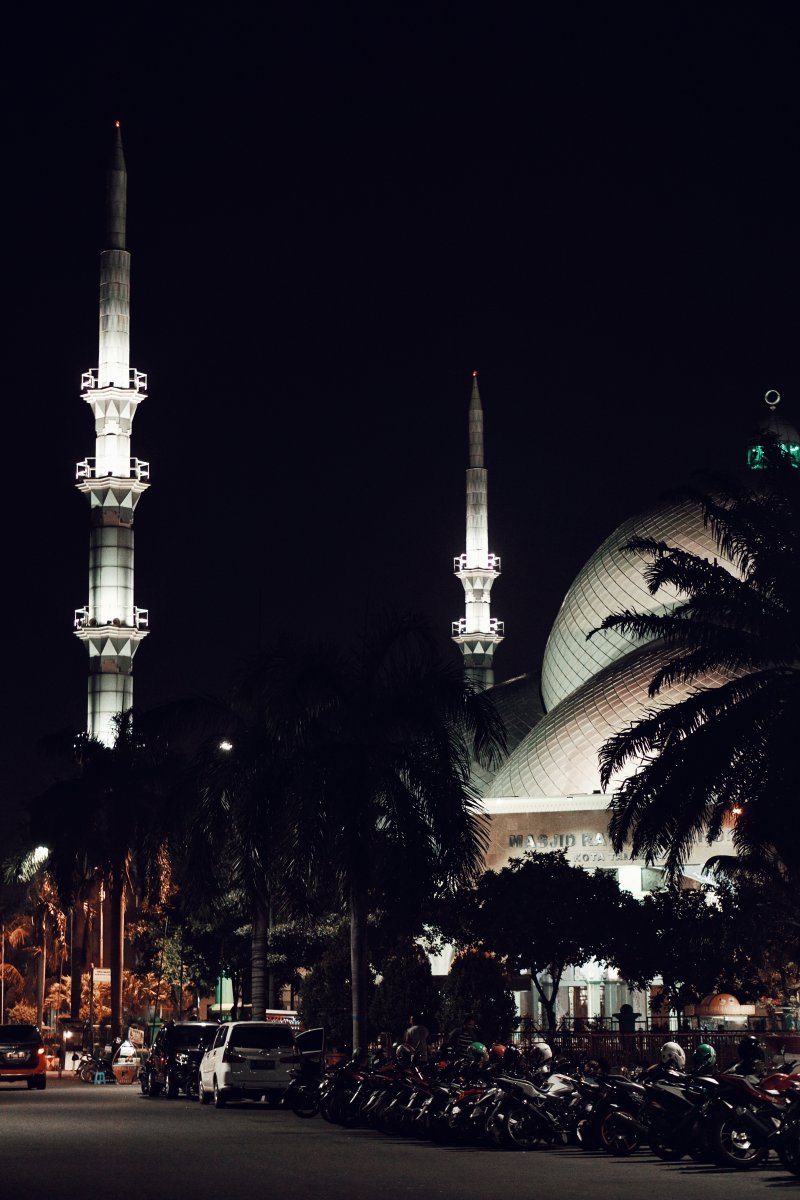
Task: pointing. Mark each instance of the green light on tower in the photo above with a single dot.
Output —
(760, 456)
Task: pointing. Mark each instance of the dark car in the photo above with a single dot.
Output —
(22, 1056)
(172, 1065)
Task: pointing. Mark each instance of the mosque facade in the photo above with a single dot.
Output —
(546, 794)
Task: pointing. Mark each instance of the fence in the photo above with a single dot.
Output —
(638, 1049)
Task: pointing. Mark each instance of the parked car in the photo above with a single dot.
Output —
(22, 1056)
(172, 1064)
(247, 1060)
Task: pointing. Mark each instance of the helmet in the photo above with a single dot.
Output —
(704, 1058)
(673, 1055)
(403, 1054)
(498, 1052)
(511, 1058)
(750, 1048)
(479, 1053)
(540, 1054)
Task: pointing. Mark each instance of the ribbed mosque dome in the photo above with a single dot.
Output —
(559, 757)
(613, 581)
(595, 688)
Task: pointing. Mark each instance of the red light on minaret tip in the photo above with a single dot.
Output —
(474, 374)
(116, 124)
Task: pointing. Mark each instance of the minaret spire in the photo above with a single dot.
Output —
(110, 625)
(477, 632)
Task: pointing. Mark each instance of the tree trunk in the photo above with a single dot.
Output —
(117, 942)
(41, 972)
(359, 969)
(548, 1002)
(78, 957)
(272, 984)
(258, 960)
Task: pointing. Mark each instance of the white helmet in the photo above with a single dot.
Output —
(540, 1054)
(673, 1055)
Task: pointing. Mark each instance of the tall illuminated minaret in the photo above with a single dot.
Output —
(110, 625)
(477, 632)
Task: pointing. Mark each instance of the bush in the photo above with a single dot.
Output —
(406, 987)
(478, 983)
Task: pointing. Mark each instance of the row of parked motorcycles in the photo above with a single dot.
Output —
(501, 1097)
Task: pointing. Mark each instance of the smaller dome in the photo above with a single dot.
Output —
(719, 1005)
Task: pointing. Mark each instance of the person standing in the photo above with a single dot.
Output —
(464, 1035)
(417, 1037)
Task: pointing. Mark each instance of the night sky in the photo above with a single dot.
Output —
(336, 213)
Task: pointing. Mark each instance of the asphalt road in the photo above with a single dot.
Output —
(77, 1140)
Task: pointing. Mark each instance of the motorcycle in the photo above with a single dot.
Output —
(602, 1098)
(673, 1118)
(751, 1118)
(305, 1090)
(89, 1067)
(336, 1091)
(303, 1094)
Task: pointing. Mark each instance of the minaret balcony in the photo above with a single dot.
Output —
(137, 380)
(141, 620)
(492, 564)
(137, 469)
(496, 628)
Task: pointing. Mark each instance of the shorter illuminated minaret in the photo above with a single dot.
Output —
(477, 632)
(110, 625)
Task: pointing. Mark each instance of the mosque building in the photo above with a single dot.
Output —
(547, 794)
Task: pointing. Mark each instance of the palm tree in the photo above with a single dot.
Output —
(109, 823)
(233, 851)
(376, 752)
(723, 754)
(38, 924)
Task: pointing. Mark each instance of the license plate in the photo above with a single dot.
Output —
(260, 1065)
(16, 1055)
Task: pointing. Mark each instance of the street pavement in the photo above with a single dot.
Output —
(94, 1141)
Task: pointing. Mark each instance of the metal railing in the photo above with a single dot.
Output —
(492, 561)
(496, 628)
(141, 620)
(138, 469)
(136, 380)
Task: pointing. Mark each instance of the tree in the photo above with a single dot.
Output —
(541, 914)
(325, 995)
(682, 936)
(35, 933)
(723, 754)
(238, 832)
(380, 745)
(478, 983)
(761, 903)
(406, 987)
(116, 832)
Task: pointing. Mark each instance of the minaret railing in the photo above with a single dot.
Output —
(136, 380)
(496, 628)
(141, 620)
(460, 564)
(87, 469)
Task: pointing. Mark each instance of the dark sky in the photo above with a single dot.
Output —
(336, 212)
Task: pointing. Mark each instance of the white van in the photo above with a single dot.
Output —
(247, 1060)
